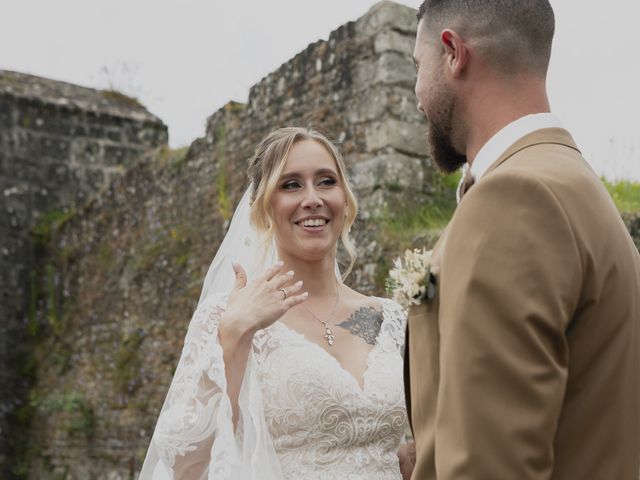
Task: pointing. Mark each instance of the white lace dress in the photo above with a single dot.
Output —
(302, 416)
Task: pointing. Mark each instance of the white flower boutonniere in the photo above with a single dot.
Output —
(413, 278)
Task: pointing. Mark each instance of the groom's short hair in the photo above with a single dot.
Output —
(514, 35)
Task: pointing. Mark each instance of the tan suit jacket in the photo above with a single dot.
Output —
(526, 364)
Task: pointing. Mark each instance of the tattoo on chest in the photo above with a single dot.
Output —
(364, 323)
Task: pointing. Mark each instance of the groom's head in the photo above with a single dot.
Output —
(463, 46)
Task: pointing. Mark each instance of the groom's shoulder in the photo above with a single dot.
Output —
(555, 169)
(546, 184)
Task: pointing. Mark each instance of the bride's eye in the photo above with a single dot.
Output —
(327, 182)
(290, 185)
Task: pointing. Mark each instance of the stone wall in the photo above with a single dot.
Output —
(59, 144)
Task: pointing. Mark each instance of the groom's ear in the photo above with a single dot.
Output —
(456, 52)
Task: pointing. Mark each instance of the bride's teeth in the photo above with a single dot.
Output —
(316, 222)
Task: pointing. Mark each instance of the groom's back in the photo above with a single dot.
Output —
(599, 426)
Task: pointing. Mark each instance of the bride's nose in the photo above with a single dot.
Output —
(311, 199)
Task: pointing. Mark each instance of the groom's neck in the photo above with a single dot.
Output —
(495, 103)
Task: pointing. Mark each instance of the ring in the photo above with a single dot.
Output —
(283, 293)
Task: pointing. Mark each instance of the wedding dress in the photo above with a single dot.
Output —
(302, 416)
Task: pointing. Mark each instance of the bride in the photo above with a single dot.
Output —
(286, 373)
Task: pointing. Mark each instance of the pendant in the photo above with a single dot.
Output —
(328, 335)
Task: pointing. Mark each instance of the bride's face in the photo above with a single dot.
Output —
(309, 203)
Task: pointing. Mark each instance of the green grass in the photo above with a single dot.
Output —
(625, 194)
(422, 223)
(429, 218)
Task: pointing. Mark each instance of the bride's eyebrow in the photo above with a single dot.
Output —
(322, 171)
(289, 175)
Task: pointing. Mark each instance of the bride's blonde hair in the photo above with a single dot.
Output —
(266, 168)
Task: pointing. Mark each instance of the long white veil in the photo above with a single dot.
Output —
(195, 420)
(242, 245)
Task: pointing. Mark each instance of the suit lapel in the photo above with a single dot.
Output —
(407, 378)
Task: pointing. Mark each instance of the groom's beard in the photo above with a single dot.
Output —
(439, 133)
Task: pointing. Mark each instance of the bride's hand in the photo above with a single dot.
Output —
(257, 304)
(407, 459)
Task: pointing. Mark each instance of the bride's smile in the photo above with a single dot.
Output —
(313, 223)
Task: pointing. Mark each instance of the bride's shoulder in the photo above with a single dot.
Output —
(386, 306)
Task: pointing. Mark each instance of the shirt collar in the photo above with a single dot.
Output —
(509, 135)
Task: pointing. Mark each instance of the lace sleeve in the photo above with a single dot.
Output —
(194, 437)
(395, 322)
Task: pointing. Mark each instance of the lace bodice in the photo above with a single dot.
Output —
(302, 414)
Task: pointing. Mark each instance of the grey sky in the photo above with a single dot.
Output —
(186, 59)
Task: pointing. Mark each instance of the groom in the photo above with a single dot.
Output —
(526, 363)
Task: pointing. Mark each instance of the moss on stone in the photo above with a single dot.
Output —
(222, 182)
(48, 222)
(174, 246)
(61, 359)
(235, 107)
(79, 415)
(105, 254)
(32, 320)
(175, 158)
(128, 363)
(121, 98)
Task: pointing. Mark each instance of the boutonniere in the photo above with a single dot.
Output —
(413, 278)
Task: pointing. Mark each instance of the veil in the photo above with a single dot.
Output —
(196, 417)
(242, 245)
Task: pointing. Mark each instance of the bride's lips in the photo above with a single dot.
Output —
(313, 224)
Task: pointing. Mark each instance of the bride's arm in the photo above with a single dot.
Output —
(195, 431)
(252, 307)
(235, 339)
(194, 412)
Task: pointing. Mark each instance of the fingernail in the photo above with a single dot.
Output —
(298, 284)
(290, 273)
(305, 294)
(279, 263)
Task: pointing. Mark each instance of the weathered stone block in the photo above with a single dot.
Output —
(389, 172)
(404, 137)
(118, 155)
(394, 41)
(87, 152)
(387, 15)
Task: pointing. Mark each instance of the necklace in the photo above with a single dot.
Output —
(328, 333)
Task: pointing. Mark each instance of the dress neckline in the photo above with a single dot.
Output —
(361, 388)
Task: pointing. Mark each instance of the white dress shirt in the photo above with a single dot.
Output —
(503, 139)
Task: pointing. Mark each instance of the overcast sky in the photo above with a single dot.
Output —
(185, 59)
